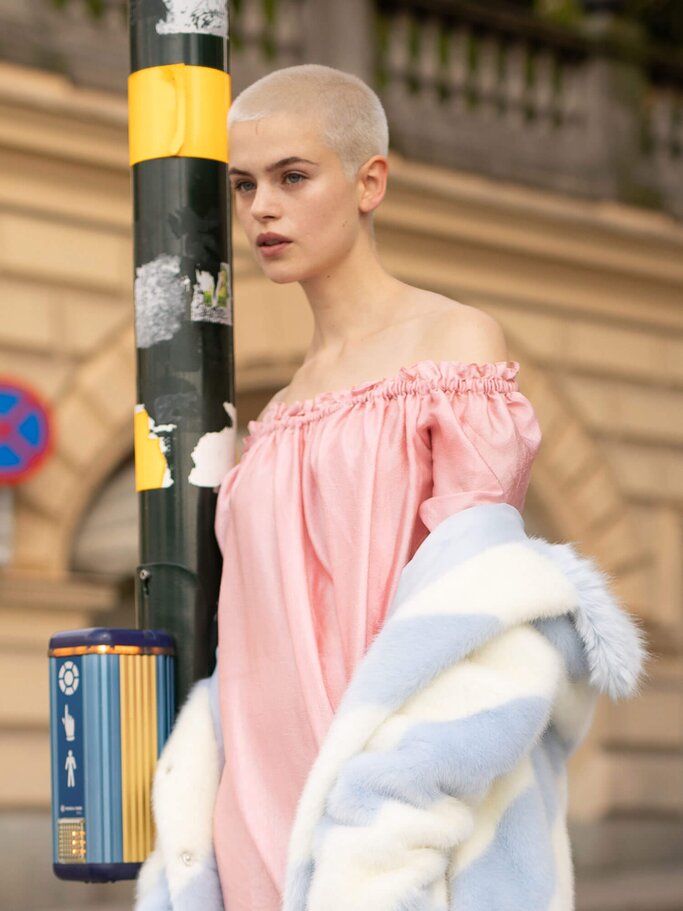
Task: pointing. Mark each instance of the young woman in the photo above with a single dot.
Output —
(405, 417)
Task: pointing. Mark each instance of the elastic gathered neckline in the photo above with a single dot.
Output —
(455, 376)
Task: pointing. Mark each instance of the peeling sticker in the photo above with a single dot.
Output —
(211, 297)
(214, 454)
(161, 295)
(151, 466)
(203, 17)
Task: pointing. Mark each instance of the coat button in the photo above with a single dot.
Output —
(187, 858)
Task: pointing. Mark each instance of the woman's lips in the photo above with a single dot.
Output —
(274, 249)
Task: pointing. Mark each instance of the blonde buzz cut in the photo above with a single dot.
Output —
(352, 118)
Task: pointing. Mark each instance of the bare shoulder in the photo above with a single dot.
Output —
(279, 395)
(464, 333)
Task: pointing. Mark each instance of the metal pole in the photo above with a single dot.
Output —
(185, 419)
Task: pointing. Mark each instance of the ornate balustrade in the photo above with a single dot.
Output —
(591, 111)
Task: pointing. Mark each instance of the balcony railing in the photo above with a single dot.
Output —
(592, 112)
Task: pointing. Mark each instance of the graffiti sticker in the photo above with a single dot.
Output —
(211, 297)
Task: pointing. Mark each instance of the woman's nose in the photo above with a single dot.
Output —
(264, 202)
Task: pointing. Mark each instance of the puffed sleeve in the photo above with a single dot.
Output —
(484, 437)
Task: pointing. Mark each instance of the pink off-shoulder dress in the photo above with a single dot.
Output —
(330, 500)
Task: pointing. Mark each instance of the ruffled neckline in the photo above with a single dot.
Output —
(488, 376)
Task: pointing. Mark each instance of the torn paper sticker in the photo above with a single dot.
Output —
(211, 297)
(214, 454)
(161, 296)
(152, 471)
(202, 17)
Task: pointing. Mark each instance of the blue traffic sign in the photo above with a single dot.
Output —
(25, 431)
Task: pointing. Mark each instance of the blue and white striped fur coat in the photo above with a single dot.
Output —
(441, 784)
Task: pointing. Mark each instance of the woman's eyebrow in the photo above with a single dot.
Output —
(273, 167)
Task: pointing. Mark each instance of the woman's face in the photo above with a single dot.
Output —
(290, 183)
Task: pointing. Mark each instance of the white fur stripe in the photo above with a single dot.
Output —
(342, 742)
(184, 800)
(403, 850)
(510, 581)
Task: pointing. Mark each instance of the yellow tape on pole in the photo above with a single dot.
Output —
(178, 110)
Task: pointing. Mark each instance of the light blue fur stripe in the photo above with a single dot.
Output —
(454, 541)
(613, 642)
(458, 758)
(517, 871)
(203, 891)
(410, 653)
(562, 633)
(548, 759)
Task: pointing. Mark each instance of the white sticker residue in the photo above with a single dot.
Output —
(161, 295)
(214, 454)
(202, 17)
(211, 297)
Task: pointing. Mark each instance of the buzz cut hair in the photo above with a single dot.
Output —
(352, 118)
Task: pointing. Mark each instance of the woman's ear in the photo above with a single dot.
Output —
(372, 183)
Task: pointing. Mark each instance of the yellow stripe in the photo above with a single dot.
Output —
(138, 753)
(142, 752)
(178, 110)
(126, 746)
(110, 650)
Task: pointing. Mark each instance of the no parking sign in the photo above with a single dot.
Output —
(25, 431)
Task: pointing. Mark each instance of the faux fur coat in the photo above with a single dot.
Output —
(441, 784)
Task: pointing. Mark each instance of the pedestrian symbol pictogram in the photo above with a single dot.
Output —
(70, 767)
(25, 434)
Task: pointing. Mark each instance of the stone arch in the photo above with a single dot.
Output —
(574, 490)
(93, 434)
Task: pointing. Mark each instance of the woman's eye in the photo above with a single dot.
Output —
(244, 186)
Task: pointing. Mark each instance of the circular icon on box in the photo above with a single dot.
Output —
(68, 678)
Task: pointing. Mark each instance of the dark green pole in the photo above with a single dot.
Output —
(185, 417)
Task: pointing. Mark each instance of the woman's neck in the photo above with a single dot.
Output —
(351, 301)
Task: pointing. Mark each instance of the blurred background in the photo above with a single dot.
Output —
(536, 172)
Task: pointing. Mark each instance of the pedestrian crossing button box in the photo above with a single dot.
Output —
(111, 711)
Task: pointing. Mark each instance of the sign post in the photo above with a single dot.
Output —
(185, 419)
(114, 692)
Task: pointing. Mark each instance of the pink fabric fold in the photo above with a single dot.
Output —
(331, 498)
